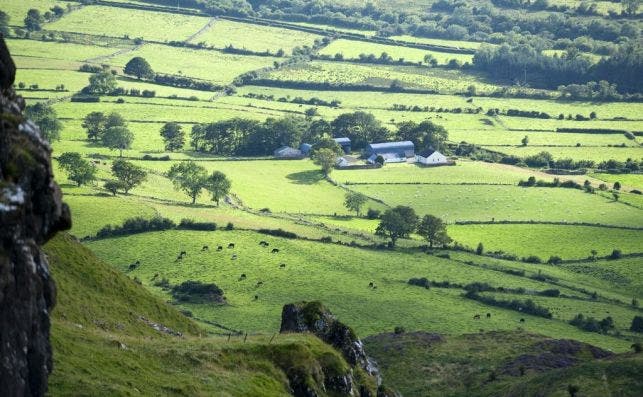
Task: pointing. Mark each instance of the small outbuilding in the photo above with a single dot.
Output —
(431, 157)
(392, 152)
(287, 152)
(305, 148)
(345, 143)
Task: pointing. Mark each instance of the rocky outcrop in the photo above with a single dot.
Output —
(313, 317)
(31, 212)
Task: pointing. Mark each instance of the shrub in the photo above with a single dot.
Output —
(532, 259)
(527, 306)
(229, 226)
(637, 324)
(197, 292)
(480, 249)
(550, 292)
(189, 224)
(373, 213)
(326, 239)
(399, 330)
(616, 254)
(136, 225)
(420, 282)
(555, 260)
(278, 233)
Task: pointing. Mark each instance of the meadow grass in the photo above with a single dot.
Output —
(121, 22)
(255, 37)
(56, 50)
(514, 138)
(17, 10)
(567, 242)
(446, 81)
(474, 45)
(336, 275)
(352, 49)
(511, 203)
(597, 154)
(49, 79)
(207, 65)
(632, 180)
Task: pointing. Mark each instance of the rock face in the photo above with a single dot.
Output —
(313, 317)
(31, 212)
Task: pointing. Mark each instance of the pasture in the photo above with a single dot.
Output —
(336, 275)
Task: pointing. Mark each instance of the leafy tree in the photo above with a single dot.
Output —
(140, 68)
(219, 185)
(173, 136)
(118, 138)
(434, 230)
(94, 123)
(114, 120)
(631, 7)
(354, 201)
(572, 390)
(78, 169)
(326, 142)
(480, 249)
(33, 20)
(4, 24)
(398, 222)
(45, 117)
(430, 60)
(325, 158)
(113, 186)
(102, 82)
(361, 127)
(617, 185)
(525, 141)
(128, 174)
(423, 135)
(189, 177)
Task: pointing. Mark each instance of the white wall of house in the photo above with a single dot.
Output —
(434, 158)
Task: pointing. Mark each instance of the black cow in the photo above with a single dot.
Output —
(183, 253)
(231, 245)
(488, 315)
(476, 317)
(243, 277)
(219, 248)
(133, 266)
(522, 320)
(259, 283)
(205, 248)
(256, 297)
(371, 285)
(282, 265)
(234, 256)
(137, 263)
(275, 251)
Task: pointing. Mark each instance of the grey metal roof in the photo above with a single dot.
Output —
(342, 140)
(427, 152)
(392, 145)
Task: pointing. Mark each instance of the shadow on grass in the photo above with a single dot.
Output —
(306, 177)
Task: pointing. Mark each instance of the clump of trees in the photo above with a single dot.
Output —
(139, 68)
(79, 170)
(434, 231)
(110, 130)
(590, 324)
(173, 136)
(396, 223)
(354, 201)
(197, 292)
(218, 185)
(45, 117)
(192, 179)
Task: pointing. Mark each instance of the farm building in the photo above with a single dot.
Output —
(430, 156)
(345, 143)
(305, 148)
(392, 152)
(287, 152)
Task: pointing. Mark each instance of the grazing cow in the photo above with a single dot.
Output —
(219, 248)
(476, 317)
(488, 315)
(231, 245)
(243, 277)
(178, 258)
(256, 297)
(133, 266)
(371, 285)
(137, 263)
(275, 251)
(205, 248)
(283, 265)
(259, 283)
(263, 243)
(374, 286)
(234, 256)
(155, 276)
(522, 320)
(183, 253)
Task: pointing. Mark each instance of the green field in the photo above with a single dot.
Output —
(255, 37)
(352, 49)
(122, 22)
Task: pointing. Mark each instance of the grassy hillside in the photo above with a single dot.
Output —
(492, 364)
(104, 343)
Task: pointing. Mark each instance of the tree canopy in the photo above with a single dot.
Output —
(434, 230)
(45, 117)
(173, 136)
(354, 201)
(118, 138)
(78, 169)
(218, 185)
(128, 174)
(189, 177)
(396, 223)
(139, 67)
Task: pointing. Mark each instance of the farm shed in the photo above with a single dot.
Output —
(392, 152)
(305, 148)
(345, 143)
(431, 156)
(287, 152)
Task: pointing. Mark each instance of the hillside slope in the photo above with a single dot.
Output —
(106, 342)
(506, 363)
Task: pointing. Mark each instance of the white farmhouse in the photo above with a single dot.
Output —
(431, 157)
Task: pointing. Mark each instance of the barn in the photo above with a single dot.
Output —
(345, 143)
(287, 152)
(392, 152)
(431, 157)
(305, 148)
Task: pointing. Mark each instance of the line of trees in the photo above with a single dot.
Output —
(401, 221)
(244, 137)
